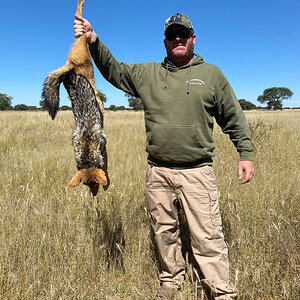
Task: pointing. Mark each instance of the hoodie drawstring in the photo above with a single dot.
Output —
(167, 71)
(189, 79)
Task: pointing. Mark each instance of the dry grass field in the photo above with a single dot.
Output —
(57, 243)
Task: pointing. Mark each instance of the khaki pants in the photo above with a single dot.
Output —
(195, 191)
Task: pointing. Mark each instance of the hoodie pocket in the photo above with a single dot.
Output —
(175, 143)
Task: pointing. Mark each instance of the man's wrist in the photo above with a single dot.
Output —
(246, 155)
(93, 37)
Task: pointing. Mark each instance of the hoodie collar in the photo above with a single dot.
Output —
(171, 67)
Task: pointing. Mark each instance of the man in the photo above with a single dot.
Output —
(181, 96)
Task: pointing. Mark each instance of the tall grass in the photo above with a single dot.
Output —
(57, 243)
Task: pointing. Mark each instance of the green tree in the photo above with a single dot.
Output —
(102, 96)
(274, 97)
(112, 107)
(246, 105)
(42, 105)
(21, 107)
(5, 102)
(134, 102)
(115, 108)
(65, 107)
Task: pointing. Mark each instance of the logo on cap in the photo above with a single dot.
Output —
(179, 19)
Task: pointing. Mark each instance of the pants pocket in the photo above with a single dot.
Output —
(148, 175)
(214, 209)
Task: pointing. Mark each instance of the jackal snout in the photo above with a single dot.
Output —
(92, 178)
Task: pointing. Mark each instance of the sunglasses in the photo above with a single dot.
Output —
(171, 35)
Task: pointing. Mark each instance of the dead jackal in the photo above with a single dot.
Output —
(89, 139)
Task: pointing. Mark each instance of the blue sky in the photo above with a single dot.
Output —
(255, 43)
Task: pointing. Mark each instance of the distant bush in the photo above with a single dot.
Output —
(246, 105)
(21, 107)
(115, 108)
(65, 107)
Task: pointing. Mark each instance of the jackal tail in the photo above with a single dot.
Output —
(50, 92)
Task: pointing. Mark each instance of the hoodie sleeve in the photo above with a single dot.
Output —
(125, 77)
(231, 118)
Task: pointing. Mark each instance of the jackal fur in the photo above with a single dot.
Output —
(89, 139)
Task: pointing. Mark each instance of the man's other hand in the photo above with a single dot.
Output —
(247, 167)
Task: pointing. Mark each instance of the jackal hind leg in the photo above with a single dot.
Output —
(80, 7)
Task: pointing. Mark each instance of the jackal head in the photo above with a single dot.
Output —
(92, 178)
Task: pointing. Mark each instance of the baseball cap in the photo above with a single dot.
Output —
(179, 19)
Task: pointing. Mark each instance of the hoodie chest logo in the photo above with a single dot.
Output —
(195, 81)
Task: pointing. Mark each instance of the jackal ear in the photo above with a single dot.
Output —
(76, 180)
(100, 177)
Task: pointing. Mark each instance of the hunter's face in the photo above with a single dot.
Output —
(179, 43)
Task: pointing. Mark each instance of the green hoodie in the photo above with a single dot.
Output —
(179, 104)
